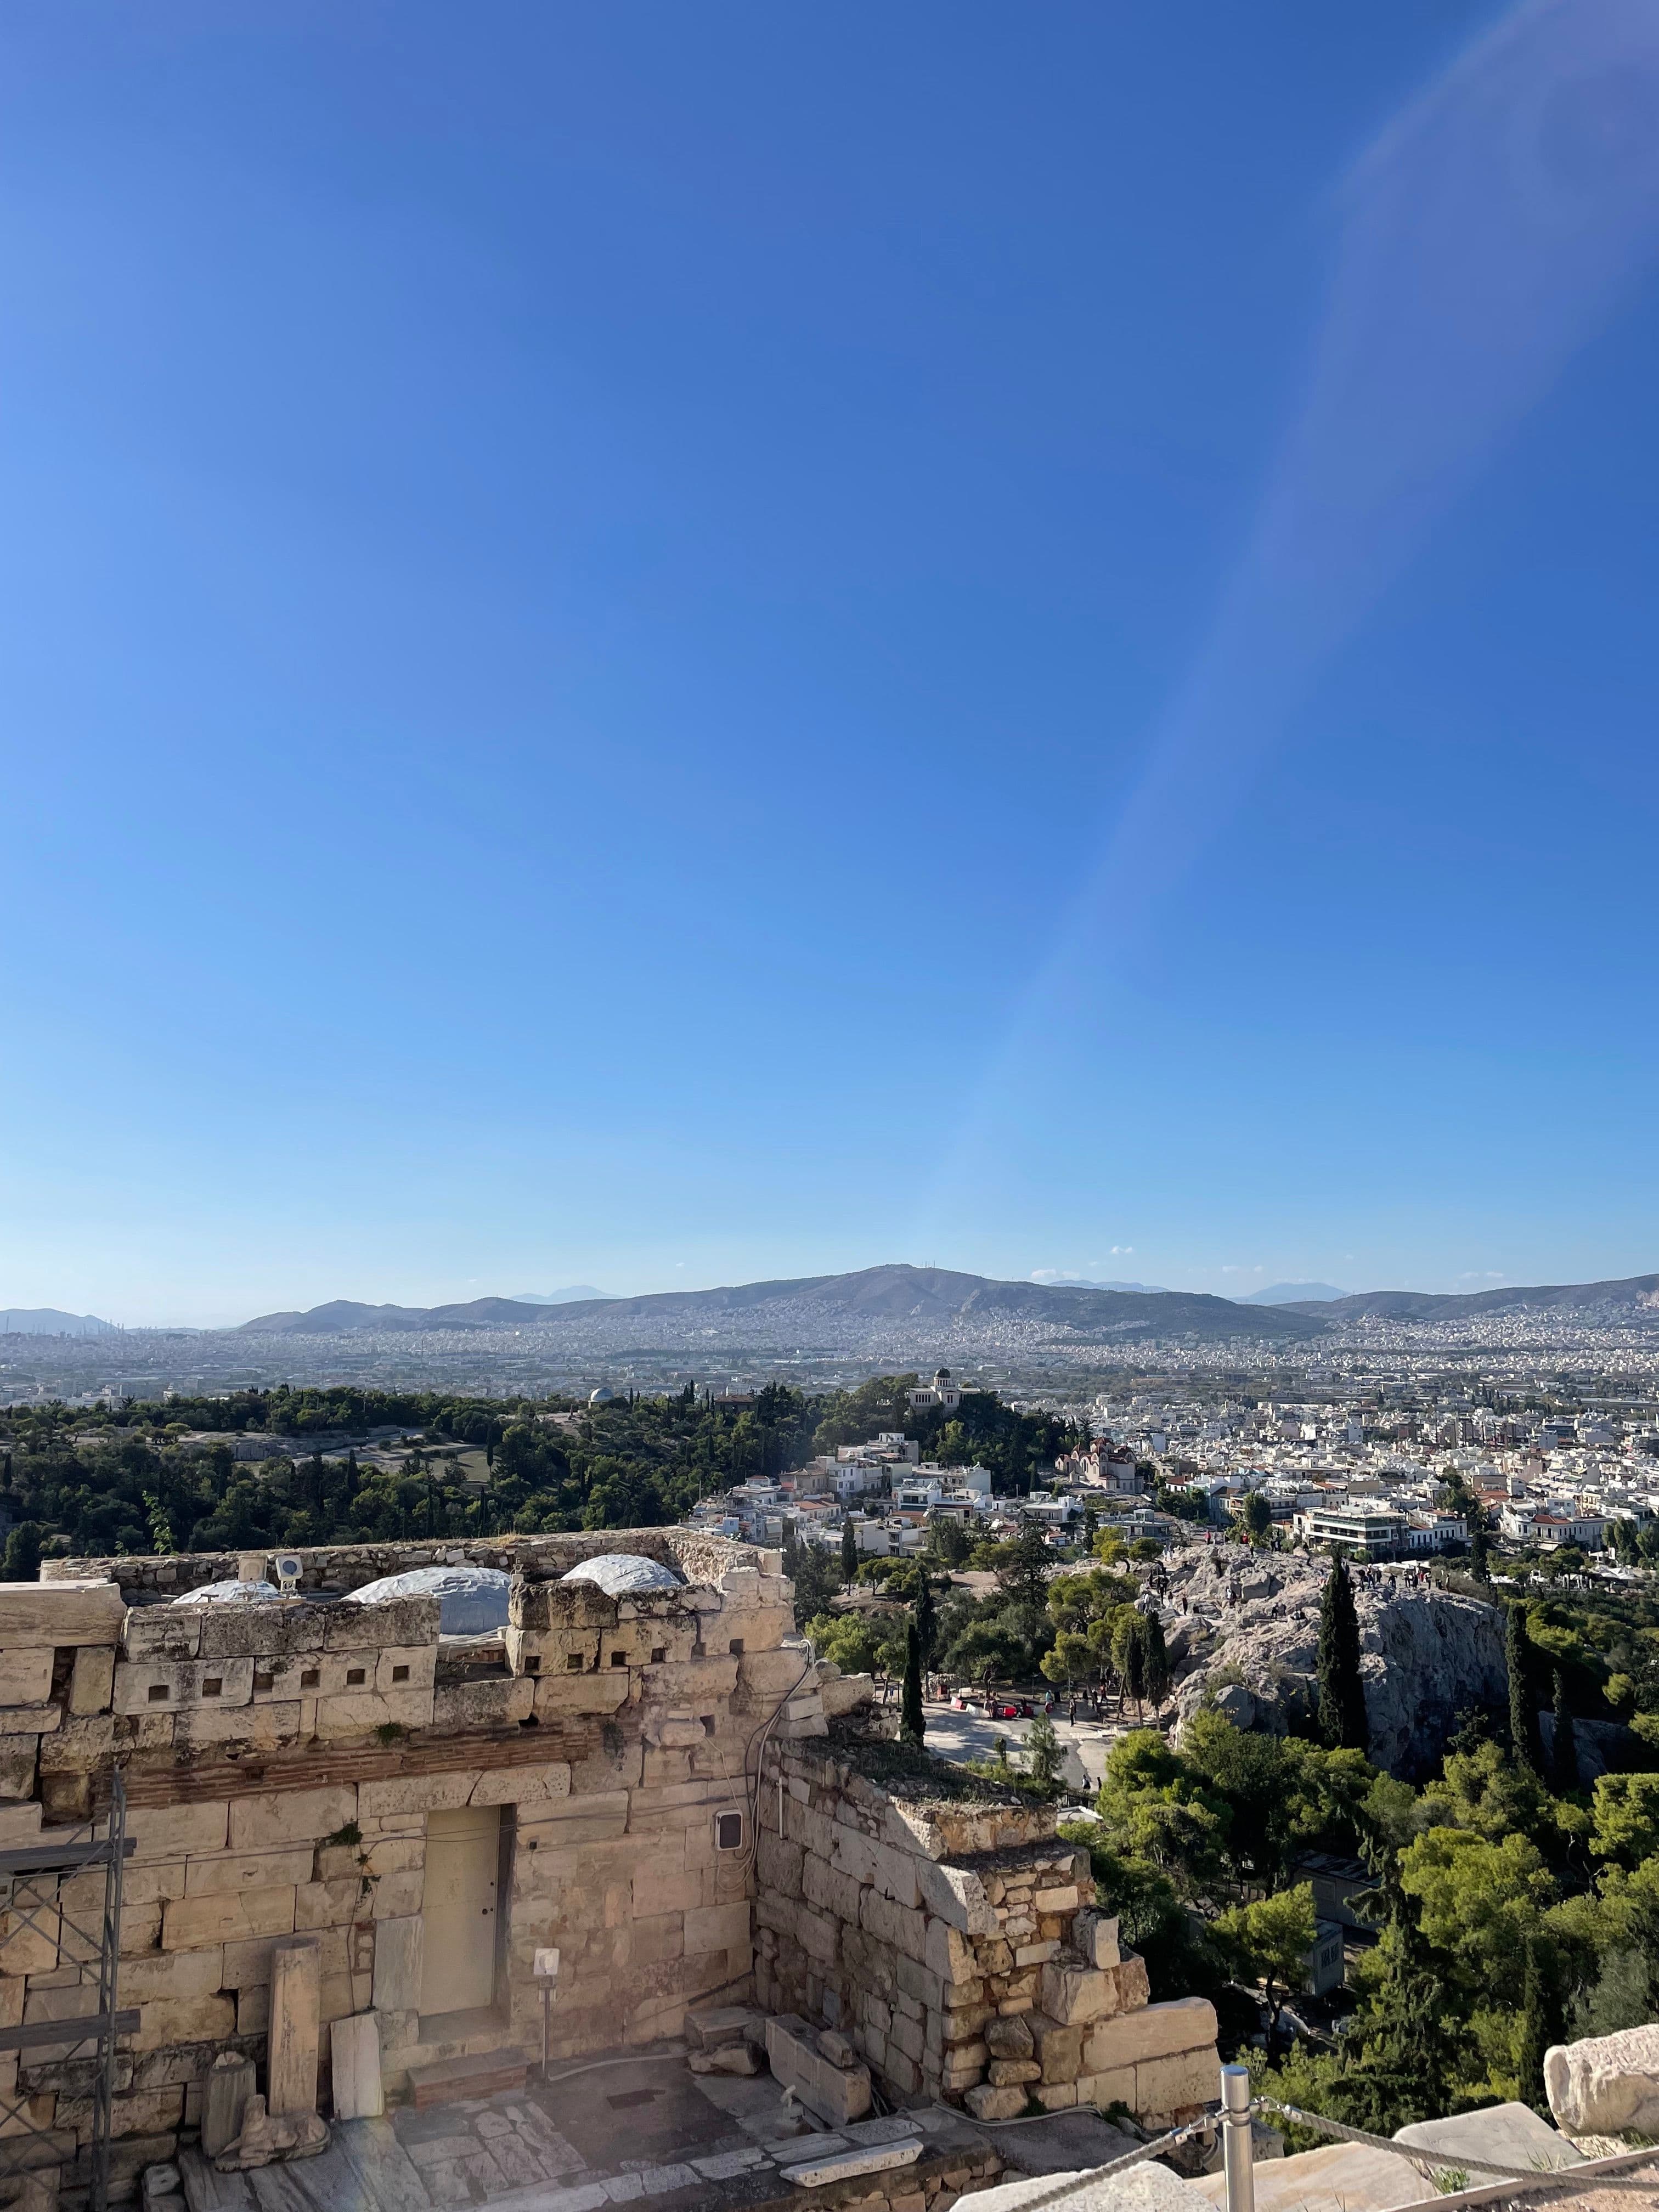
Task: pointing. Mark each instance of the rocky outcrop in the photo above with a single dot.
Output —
(1607, 2085)
(1249, 1638)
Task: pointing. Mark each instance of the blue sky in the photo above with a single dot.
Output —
(649, 645)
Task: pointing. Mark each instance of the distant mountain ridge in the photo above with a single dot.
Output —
(1635, 1291)
(573, 1294)
(928, 1298)
(1290, 1294)
(47, 1320)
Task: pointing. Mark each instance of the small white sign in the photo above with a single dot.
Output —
(546, 1968)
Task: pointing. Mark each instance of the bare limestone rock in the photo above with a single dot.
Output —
(1605, 2085)
(1009, 2038)
(1426, 1656)
(729, 2058)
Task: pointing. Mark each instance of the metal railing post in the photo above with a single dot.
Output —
(1237, 2148)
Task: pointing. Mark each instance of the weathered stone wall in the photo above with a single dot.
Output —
(957, 1944)
(281, 1759)
(336, 1570)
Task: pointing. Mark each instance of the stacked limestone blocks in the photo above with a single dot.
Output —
(691, 1662)
(954, 1943)
(336, 1569)
(58, 1651)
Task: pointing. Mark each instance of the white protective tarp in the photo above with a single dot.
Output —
(621, 1573)
(228, 1594)
(472, 1601)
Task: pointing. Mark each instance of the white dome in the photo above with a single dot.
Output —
(228, 1594)
(472, 1601)
(602, 1396)
(619, 1573)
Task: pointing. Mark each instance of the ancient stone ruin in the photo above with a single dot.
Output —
(358, 1842)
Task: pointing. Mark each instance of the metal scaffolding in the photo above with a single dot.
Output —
(36, 1882)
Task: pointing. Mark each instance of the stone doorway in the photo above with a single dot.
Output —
(460, 1909)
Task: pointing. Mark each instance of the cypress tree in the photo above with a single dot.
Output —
(849, 1550)
(1134, 1662)
(1342, 1720)
(1542, 2023)
(927, 1620)
(913, 1723)
(1564, 1744)
(23, 1554)
(1523, 1718)
(1479, 1558)
(1155, 1662)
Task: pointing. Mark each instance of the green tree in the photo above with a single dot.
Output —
(1270, 1939)
(1406, 2041)
(1129, 1657)
(1489, 1795)
(1342, 1721)
(1563, 1745)
(1070, 1657)
(913, 1721)
(849, 1549)
(1523, 1715)
(1543, 2023)
(1155, 1661)
(1043, 1756)
(23, 1552)
(947, 1540)
(1257, 1515)
(855, 1642)
(1480, 1550)
(926, 1618)
(815, 1579)
(1022, 1565)
(1625, 1817)
(1480, 1902)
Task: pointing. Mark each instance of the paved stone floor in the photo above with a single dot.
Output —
(611, 2134)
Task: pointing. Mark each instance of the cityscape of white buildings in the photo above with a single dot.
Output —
(1381, 1477)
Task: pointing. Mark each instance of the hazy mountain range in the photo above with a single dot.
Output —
(1635, 1292)
(46, 1321)
(927, 1297)
(878, 1305)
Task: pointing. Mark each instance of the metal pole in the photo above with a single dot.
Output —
(1238, 2150)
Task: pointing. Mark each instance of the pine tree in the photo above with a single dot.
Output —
(1524, 1742)
(849, 1550)
(1564, 1744)
(1342, 1720)
(1642, 1939)
(913, 1721)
